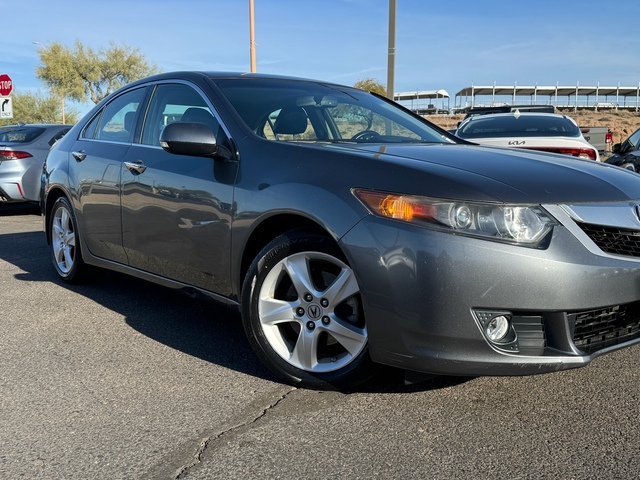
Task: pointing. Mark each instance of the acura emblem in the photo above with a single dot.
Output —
(314, 311)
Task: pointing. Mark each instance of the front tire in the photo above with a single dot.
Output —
(65, 242)
(303, 315)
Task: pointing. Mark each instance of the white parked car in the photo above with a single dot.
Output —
(548, 132)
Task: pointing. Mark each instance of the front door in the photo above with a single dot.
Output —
(176, 210)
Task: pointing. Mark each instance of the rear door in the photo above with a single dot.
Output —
(94, 169)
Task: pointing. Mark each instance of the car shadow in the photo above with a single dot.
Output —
(198, 327)
(393, 380)
(13, 209)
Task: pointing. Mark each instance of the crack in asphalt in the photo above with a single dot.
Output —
(206, 442)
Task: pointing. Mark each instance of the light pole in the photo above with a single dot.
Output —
(252, 37)
(391, 62)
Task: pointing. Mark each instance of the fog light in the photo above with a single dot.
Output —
(497, 328)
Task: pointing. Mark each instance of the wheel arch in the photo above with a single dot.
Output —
(50, 200)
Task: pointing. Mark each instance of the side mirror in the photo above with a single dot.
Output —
(616, 148)
(193, 139)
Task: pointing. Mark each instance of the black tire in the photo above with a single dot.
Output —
(629, 166)
(303, 315)
(65, 242)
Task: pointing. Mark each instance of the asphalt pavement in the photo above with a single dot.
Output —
(118, 378)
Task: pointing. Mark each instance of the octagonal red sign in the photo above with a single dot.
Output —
(6, 85)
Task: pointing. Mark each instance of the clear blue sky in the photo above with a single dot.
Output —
(439, 45)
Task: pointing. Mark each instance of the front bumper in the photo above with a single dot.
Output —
(425, 293)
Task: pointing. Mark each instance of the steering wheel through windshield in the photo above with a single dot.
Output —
(365, 135)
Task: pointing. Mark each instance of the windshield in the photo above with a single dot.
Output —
(19, 134)
(299, 111)
(511, 125)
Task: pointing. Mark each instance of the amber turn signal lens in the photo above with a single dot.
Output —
(396, 206)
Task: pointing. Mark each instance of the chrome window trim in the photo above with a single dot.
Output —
(153, 86)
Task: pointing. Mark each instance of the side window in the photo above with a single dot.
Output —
(173, 102)
(58, 136)
(117, 120)
(634, 139)
(90, 129)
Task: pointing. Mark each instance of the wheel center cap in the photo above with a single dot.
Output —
(314, 311)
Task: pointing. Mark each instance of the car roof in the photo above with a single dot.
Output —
(474, 111)
(513, 114)
(196, 74)
(40, 125)
(502, 125)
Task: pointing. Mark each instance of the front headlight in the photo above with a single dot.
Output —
(520, 224)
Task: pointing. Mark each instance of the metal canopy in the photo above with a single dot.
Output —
(420, 95)
(547, 90)
(589, 92)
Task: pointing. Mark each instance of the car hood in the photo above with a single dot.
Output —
(507, 175)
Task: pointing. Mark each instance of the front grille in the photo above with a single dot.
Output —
(614, 240)
(598, 329)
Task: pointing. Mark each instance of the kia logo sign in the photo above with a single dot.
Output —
(516, 142)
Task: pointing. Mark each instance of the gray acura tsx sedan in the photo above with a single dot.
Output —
(349, 232)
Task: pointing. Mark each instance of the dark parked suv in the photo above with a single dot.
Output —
(627, 153)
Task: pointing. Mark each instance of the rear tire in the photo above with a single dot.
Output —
(65, 242)
(303, 315)
(629, 166)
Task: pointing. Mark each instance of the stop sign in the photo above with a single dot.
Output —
(6, 85)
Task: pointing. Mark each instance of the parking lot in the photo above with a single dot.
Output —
(121, 379)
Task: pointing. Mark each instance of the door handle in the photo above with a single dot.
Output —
(79, 156)
(136, 167)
